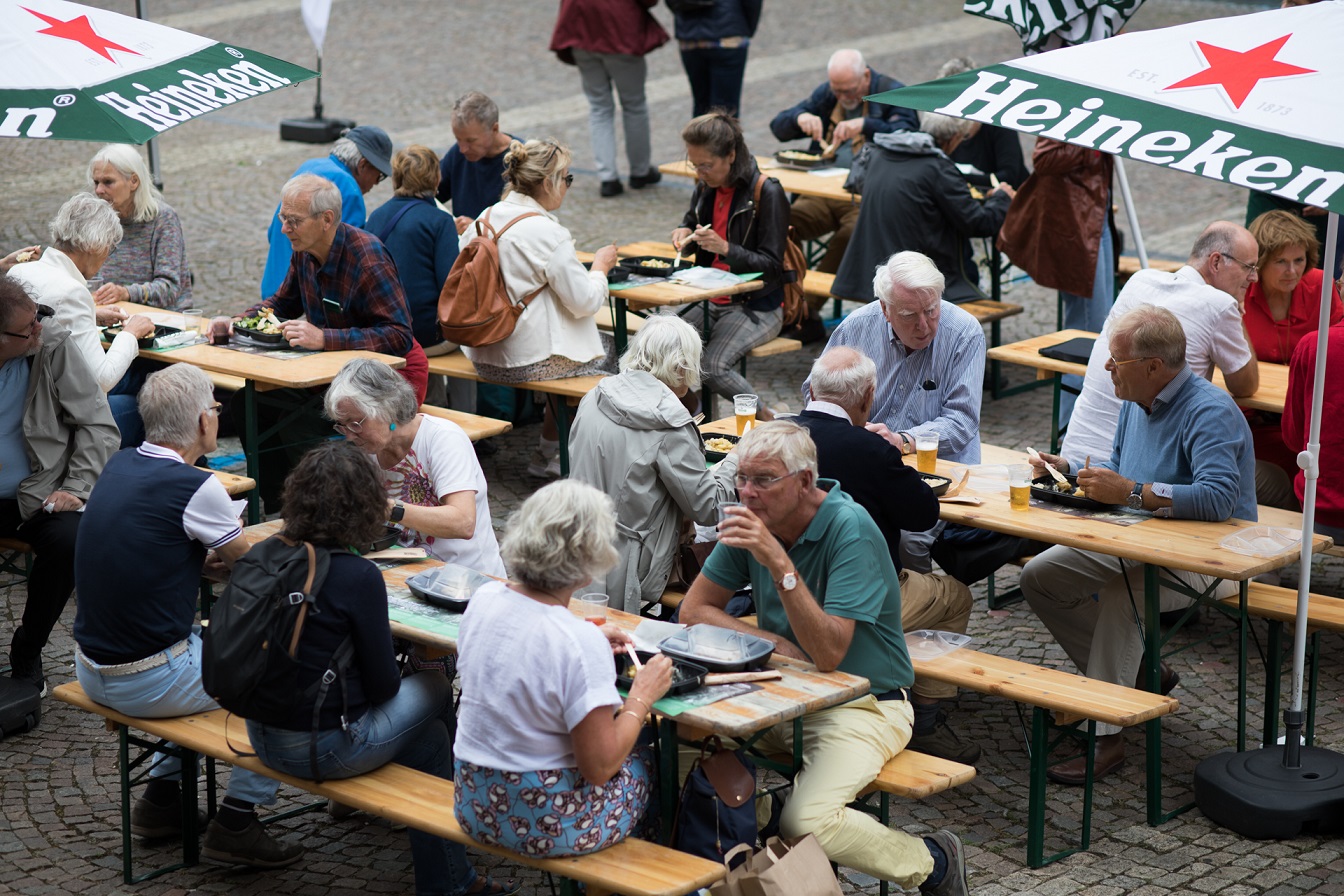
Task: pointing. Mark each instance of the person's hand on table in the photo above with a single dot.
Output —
(1105, 486)
(605, 259)
(302, 334)
(653, 680)
(111, 292)
(1054, 460)
(462, 222)
(59, 502)
(138, 325)
(108, 315)
(705, 237)
(811, 125)
(847, 130)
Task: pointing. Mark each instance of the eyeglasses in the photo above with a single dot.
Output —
(214, 408)
(569, 180)
(293, 221)
(43, 312)
(1115, 363)
(1246, 267)
(347, 429)
(761, 483)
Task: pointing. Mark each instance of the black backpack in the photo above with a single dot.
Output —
(249, 647)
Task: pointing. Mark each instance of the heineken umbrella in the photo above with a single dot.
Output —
(1256, 101)
(73, 72)
(1050, 24)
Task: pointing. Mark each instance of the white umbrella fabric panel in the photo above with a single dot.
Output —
(73, 72)
(1050, 24)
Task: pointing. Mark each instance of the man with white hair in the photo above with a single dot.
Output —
(825, 591)
(358, 162)
(843, 382)
(137, 649)
(836, 114)
(1182, 450)
(930, 358)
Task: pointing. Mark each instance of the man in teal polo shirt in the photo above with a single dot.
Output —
(826, 592)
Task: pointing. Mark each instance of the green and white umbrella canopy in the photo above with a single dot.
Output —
(73, 72)
(1050, 24)
(1254, 100)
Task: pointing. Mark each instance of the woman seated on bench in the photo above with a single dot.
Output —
(334, 498)
(543, 749)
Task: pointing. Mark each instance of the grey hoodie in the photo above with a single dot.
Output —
(633, 439)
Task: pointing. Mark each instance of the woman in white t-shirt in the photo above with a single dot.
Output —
(544, 761)
(435, 488)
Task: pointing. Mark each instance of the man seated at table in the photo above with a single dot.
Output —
(827, 592)
(342, 293)
(1182, 450)
(1206, 295)
(56, 433)
(930, 358)
(838, 115)
(137, 649)
(471, 173)
(870, 470)
(358, 162)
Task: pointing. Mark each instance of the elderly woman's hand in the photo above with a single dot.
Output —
(138, 325)
(605, 259)
(111, 292)
(709, 240)
(18, 256)
(653, 680)
(617, 637)
(108, 315)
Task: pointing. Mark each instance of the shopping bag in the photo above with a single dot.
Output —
(796, 867)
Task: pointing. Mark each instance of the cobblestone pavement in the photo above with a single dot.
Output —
(58, 792)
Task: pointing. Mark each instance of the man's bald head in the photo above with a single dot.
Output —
(1225, 255)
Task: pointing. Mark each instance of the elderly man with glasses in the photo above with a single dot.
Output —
(56, 433)
(1182, 449)
(826, 591)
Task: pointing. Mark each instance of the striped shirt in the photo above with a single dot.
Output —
(936, 389)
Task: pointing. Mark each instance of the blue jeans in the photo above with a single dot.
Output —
(406, 729)
(123, 400)
(173, 689)
(715, 75)
(1089, 313)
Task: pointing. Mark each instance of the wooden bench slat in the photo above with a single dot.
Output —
(475, 426)
(986, 311)
(459, 366)
(13, 544)
(1280, 604)
(917, 775)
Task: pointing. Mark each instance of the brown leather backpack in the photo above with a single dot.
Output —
(474, 305)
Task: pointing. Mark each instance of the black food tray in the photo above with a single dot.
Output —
(635, 265)
(712, 455)
(1043, 488)
(685, 676)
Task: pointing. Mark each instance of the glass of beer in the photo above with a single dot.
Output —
(593, 608)
(926, 453)
(1019, 486)
(744, 407)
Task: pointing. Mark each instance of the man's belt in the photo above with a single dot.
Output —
(153, 661)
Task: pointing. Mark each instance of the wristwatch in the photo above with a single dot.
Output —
(1135, 499)
(789, 582)
(398, 511)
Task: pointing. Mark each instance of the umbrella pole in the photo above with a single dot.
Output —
(317, 103)
(153, 145)
(1130, 213)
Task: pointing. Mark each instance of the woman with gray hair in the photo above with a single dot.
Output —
(435, 488)
(546, 727)
(634, 439)
(149, 266)
(83, 234)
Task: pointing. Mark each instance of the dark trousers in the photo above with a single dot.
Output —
(52, 579)
(299, 413)
(715, 74)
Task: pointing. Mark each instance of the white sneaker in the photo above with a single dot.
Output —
(542, 467)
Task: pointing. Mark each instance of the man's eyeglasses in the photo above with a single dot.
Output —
(761, 483)
(1115, 363)
(348, 429)
(1246, 267)
(293, 221)
(43, 312)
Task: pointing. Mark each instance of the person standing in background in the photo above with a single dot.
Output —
(714, 36)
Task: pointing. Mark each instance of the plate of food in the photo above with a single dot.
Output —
(1067, 493)
(797, 158)
(685, 676)
(717, 446)
(617, 274)
(939, 484)
(719, 649)
(263, 327)
(144, 341)
(648, 265)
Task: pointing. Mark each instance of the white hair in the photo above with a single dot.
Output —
(346, 152)
(847, 59)
(129, 163)
(944, 128)
(171, 401)
(781, 440)
(843, 376)
(323, 195)
(667, 347)
(375, 389)
(561, 536)
(85, 223)
(909, 271)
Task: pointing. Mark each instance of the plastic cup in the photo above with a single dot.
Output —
(744, 408)
(191, 320)
(723, 510)
(926, 453)
(593, 608)
(221, 328)
(1019, 486)
(94, 284)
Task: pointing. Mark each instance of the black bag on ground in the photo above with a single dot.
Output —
(20, 706)
(717, 809)
(249, 649)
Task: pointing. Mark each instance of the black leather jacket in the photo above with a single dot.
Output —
(756, 236)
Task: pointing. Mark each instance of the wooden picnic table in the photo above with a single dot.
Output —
(1181, 545)
(793, 180)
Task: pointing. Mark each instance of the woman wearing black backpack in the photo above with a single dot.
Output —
(333, 499)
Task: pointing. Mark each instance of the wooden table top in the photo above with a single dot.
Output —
(666, 292)
(313, 369)
(1178, 544)
(234, 484)
(804, 183)
(1271, 395)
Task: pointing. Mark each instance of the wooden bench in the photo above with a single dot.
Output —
(416, 799)
(1278, 606)
(1072, 699)
(475, 426)
(226, 382)
(1129, 265)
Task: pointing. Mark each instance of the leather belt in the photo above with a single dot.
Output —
(898, 694)
(153, 661)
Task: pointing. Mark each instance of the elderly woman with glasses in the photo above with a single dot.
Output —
(435, 488)
(634, 439)
(149, 266)
(84, 233)
(556, 336)
(549, 759)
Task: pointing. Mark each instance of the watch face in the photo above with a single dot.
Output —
(1136, 502)
(789, 582)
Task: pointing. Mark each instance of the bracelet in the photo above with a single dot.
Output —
(647, 707)
(626, 712)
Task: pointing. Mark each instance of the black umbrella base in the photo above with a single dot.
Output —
(1253, 794)
(314, 130)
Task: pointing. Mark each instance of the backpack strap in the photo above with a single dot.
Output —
(307, 593)
(496, 235)
(336, 668)
(396, 219)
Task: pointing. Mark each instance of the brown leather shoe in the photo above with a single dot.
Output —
(1168, 679)
(1110, 755)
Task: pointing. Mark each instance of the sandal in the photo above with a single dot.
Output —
(488, 885)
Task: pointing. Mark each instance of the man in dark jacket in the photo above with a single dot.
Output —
(836, 114)
(843, 382)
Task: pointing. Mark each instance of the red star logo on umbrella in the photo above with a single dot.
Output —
(1238, 73)
(80, 30)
